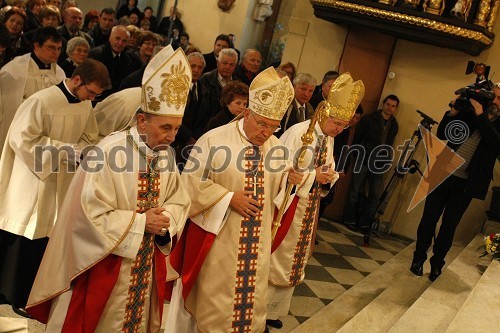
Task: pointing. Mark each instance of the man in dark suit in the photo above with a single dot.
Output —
(471, 180)
(113, 55)
(375, 135)
(321, 94)
(215, 80)
(221, 42)
(195, 118)
(249, 67)
(300, 109)
(72, 27)
(100, 32)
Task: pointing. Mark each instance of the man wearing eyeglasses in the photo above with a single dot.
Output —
(41, 152)
(292, 243)
(233, 174)
(374, 135)
(29, 73)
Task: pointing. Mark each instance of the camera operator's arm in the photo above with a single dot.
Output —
(488, 132)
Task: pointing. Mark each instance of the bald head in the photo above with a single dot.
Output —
(73, 19)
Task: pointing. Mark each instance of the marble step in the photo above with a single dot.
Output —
(481, 310)
(381, 314)
(440, 303)
(333, 316)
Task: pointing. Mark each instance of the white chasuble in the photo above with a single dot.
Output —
(104, 216)
(230, 292)
(288, 261)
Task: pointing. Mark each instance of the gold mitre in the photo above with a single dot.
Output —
(270, 95)
(165, 83)
(344, 97)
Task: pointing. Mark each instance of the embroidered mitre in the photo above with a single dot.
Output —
(270, 95)
(343, 98)
(165, 83)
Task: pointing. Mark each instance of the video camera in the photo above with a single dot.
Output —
(480, 91)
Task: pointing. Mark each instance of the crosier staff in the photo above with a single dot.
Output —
(307, 138)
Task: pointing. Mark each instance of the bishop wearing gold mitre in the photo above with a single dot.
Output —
(292, 242)
(233, 174)
(105, 265)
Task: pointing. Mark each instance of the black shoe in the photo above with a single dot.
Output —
(435, 272)
(21, 312)
(274, 323)
(417, 268)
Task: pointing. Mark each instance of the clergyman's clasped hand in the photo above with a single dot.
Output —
(156, 222)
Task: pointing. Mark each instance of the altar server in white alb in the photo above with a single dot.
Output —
(39, 158)
(105, 265)
(233, 174)
(292, 243)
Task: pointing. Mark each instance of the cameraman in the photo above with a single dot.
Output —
(470, 180)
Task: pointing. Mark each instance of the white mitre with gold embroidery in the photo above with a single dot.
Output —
(165, 83)
(343, 99)
(270, 95)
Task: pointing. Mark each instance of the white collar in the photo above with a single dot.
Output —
(67, 88)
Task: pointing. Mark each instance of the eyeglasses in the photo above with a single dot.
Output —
(53, 48)
(90, 92)
(336, 123)
(263, 126)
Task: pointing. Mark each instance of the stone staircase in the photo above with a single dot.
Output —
(465, 298)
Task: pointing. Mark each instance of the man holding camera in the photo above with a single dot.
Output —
(471, 180)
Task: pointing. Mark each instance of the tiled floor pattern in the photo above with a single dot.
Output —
(338, 263)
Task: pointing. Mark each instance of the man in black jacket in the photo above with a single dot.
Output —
(471, 180)
(100, 32)
(221, 42)
(72, 27)
(213, 81)
(114, 56)
(374, 137)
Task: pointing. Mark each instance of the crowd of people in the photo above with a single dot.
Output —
(93, 195)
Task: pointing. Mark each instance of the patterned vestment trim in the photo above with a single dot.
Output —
(248, 246)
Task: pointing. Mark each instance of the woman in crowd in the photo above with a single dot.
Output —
(134, 33)
(148, 14)
(33, 8)
(77, 51)
(15, 20)
(49, 17)
(289, 69)
(127, 9)
(90, 20)
(146, 42)
(234, 100)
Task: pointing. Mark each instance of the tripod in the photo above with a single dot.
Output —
(405, 164)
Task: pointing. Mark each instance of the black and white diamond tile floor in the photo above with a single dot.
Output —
(338, 262)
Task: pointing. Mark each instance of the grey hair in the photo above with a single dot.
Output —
(247, 51)
(228, 52)
(120, 27)
(197, 55)
(74, 42)
(304, 78)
